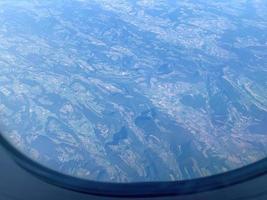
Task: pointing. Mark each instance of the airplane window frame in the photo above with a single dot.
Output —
(139, 189)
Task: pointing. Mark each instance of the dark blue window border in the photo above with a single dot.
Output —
(141, 189)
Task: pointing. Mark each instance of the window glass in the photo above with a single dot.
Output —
(135, 91)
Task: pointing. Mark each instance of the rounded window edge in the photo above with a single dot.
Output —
(139, 189)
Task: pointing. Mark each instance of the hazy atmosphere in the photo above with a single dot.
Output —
(135, 91)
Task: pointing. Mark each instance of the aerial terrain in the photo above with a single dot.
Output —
(135, 91)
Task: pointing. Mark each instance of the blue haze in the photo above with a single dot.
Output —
(130, 91)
